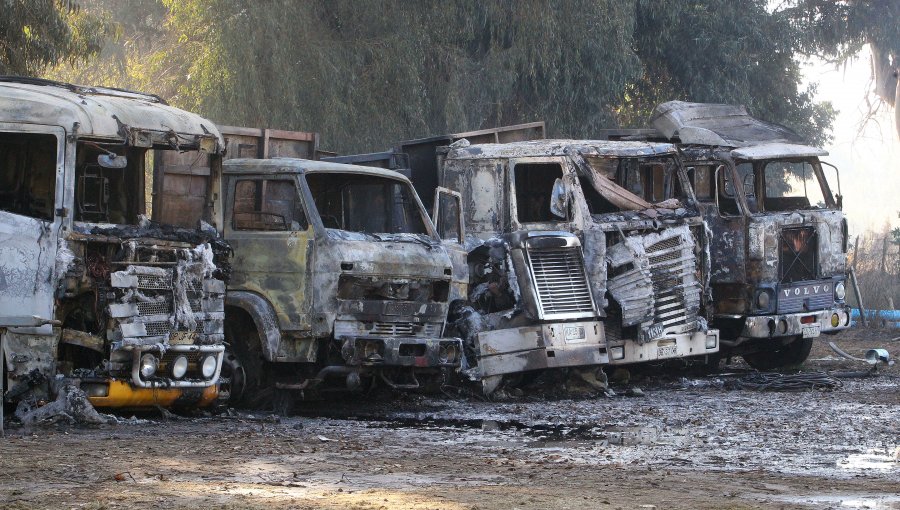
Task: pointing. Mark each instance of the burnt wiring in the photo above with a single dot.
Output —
(789, 382)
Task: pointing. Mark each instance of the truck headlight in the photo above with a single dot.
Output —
(148, 365)
(179, 367)
(617, 352)
(208, 366)
(763, 299)
(840, 291)
(448, 353)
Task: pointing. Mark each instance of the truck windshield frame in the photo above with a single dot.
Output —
(650, 178)
(353, 202)
(803, 187)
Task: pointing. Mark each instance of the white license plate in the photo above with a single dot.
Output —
(811, 331)
(574, 334)
(667, 351)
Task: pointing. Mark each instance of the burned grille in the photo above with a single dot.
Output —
(561, 282)
(675, 286)
(798, 253)
(157, 328)
(154, 282)
(405, 329)
(159, 308)
(154, 295)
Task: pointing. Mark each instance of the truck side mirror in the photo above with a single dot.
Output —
(559, 200)
(112, 160)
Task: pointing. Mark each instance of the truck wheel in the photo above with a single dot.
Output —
(244, 368)
(793, 353)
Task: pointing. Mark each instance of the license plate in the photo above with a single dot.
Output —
(653, 332)
(812, 331)
(667, 351)
(574, 334)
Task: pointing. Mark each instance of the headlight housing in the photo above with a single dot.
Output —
(179, 367)
(208, 366)
(840, 291)
(763, 299)
(148, 365)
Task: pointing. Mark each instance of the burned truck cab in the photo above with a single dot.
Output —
(129, 309)
(527, 304)
(338, 279)
(644, 266)
(779, 245)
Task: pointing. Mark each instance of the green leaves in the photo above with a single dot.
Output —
(35, 34)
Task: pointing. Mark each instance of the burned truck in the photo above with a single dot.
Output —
(129, 309)
(338, 280)
(579, 252)
(779, 238)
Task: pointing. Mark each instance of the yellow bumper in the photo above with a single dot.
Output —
(122, 394)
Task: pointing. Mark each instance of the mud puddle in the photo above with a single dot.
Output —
(543, 434)
(849, 501)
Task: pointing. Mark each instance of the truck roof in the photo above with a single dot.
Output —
(718, 124)
(103, 114)
(301, 166)
(538, 148)
(777, 150)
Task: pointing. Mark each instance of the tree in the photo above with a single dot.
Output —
(366, 74)
(35, 34)
(838, 29)
(721, 51)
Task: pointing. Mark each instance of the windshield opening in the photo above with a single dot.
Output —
(652, 180)
(104, 194)
(368, 204)
(791, 185)
(534, 190)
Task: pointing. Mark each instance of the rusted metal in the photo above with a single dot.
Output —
(76, 250)
(331, 279)
(779, 261)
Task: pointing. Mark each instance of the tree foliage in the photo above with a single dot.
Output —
(838, 29)
(35, 34)
(365, 74)
(721, 51)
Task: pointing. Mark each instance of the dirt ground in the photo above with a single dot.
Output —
(690, 441)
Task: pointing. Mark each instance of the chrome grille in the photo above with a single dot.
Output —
(675, 287)
(561, 282)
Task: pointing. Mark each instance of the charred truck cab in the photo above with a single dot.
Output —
(644, 266)
(129, 309)
(338, 279)
(566, 266)
(779, 246)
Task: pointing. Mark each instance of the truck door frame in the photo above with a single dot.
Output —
(43, 246)
(459, 288)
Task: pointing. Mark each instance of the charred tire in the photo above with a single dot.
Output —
(791, 354)
(244, 368)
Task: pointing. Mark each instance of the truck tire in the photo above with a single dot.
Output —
(244, 368)
(791, 354)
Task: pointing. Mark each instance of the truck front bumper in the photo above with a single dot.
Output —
(682, 345)
(558, 345)
(402, 351)
(192, 379)
(807, 325)
(115, 393)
